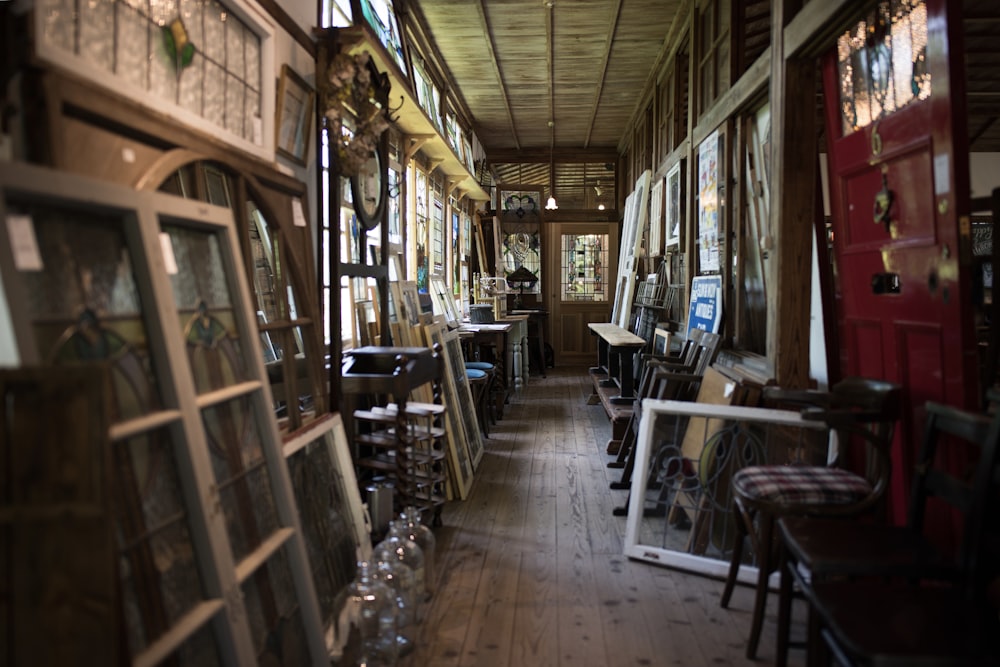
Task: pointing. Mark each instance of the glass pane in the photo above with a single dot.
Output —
(686, 490)
(584, 257)
(437, 237)
(85, 304)
(234, 442)
(321, 496)
(160, 580)
(207, 319)
(264, 254)
(522, 249)
(273, 612)
(882, 63)
(132, 59)
(200, 650)
(97, 33)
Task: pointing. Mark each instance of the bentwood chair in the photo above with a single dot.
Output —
(858, 410)
(891, 621)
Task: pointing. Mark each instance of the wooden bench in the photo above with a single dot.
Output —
(613, 376)
(616, 348)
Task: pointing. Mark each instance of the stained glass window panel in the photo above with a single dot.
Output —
(320, 494)
(234, 442)
(274, 615)
(882, 63)
(200, 650)
(85, 304)
(160, 579)
(584, 257)
(207, 320)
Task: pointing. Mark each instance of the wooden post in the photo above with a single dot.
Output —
(793, 191)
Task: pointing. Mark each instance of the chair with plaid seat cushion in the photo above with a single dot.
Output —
(859, 410)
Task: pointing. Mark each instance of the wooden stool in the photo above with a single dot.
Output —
(479, 384)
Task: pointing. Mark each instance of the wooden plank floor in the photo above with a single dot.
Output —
(530, 567)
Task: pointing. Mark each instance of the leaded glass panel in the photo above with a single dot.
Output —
(85, 305)
(200, 650)
(160, 579)
(882, 63)
(320, 494)
(234, 442)
(584, 257)
(197, 55)
(274, 615)
(207, 320)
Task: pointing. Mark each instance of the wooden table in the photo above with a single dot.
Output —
(616, 349)
(497, 333)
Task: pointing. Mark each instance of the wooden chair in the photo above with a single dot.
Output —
(657, 372)
(856, 409)
(892, 622)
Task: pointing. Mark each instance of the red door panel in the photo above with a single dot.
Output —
(903, 303)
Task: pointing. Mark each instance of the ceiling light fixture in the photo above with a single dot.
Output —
(551, 203)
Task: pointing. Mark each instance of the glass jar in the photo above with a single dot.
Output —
(400, 578)
(398, 545)
(414, 526)
(373, 613)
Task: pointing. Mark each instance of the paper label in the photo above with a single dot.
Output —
(298, 215)
(23, 243)
(167, 247)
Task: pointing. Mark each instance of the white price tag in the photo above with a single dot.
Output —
(167, 247)
(23, 243)
(298, 215)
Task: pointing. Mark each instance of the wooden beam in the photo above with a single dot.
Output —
(813, 30)
(612, 28)
(413, 144)
(502, 87)
(748, 88)
(793, 191)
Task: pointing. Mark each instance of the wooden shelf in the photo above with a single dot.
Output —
(419, 131)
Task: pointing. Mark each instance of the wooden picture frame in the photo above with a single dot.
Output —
(398, 322)
(444, 301)
(636, 217)
(293, 116)
(411, 302)
(656, 234)
(674, 210)
(460, 459)
(661, 342)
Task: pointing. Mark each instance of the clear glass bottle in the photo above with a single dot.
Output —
(373, 613)
(397, 544)
(397, 575)
(424, 537)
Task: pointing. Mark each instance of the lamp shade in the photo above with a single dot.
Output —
(551, 204)
(522, 277)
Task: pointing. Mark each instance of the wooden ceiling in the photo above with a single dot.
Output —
(982, 64)
(583, 66)
(580, 64)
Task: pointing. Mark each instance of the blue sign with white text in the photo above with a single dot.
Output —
(705, 311)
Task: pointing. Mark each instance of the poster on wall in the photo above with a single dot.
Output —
(708, 203)
(705, 311)
(675, 203)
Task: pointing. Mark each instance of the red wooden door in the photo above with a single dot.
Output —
(895, 107)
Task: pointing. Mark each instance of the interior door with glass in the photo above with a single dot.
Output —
(899, 197)
(212, 564)
(580, 285)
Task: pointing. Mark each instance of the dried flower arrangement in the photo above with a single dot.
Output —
(351, 93)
